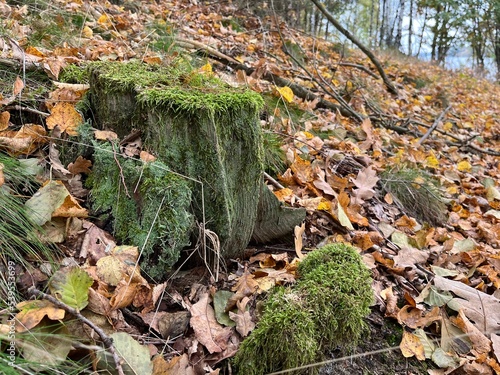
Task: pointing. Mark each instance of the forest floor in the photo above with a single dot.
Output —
(410, 179)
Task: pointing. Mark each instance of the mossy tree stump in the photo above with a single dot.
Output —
(199, 127)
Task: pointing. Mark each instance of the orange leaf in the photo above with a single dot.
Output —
(4, 120)
(18, 86)
(66, 117)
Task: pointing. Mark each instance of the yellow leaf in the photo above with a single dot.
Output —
(431, 161)
(87, 32)
(104, 21)
(207, 69)
(324, 205)
(447, 126)
(464, 166)
(286, 93)
(343, 219)
(411, 346)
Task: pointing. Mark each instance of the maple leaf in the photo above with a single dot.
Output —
(365, 181)
(66, 117)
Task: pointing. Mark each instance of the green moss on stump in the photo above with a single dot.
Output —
(325, 309)
(199, 127)
(151, 211)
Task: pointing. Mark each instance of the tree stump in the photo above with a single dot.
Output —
(199, 127)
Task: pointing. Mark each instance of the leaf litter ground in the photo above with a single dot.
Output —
(436, 283)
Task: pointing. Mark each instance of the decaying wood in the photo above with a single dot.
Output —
(274, 220)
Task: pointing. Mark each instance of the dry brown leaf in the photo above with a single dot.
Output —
(297, 234)
(365, 182)
(410, 257)
(18, 86)
(302, 171)
(411, 346)
(208, 331)
(243, 319)
(105, 135)
(24, 141)
(177, 366)
(124, 294)
(480, 342)
(32, 312)
(80, 165)
(4, 120)
(481, 308)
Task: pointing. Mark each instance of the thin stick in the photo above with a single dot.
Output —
(434, 126)
(121, 170)
(107, 341)
(273, 182)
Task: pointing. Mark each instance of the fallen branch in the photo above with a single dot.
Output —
(392, 89)
(360, 67)
(325, 86)
(107, 341)
(434, 126)
(299, 91)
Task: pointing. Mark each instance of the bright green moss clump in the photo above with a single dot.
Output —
(325, 309)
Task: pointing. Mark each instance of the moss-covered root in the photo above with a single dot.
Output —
(286, 337)
(325, 309)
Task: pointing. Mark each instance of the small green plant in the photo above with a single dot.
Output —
(325, 309)
(18, 234)
(417, 193)
(274, 156)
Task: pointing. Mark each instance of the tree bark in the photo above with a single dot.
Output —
(390, 86)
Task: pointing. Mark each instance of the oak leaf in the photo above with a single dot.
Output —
(365, 182)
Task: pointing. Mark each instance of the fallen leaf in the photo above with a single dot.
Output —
(286, 93)
(297, 234)
(80, 165)
(411, 346)
(66, 117)
(243, 319)
(208, 332)
(32, 312)
(365, 181)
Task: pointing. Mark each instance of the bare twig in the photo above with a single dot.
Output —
(107, 341)
(28, 109)
(360, 67)
(434, 126)
(121, 171)
(273, 182)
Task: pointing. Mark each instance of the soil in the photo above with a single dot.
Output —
(379, 353)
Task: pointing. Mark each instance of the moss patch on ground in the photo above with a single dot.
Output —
(325, 308)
